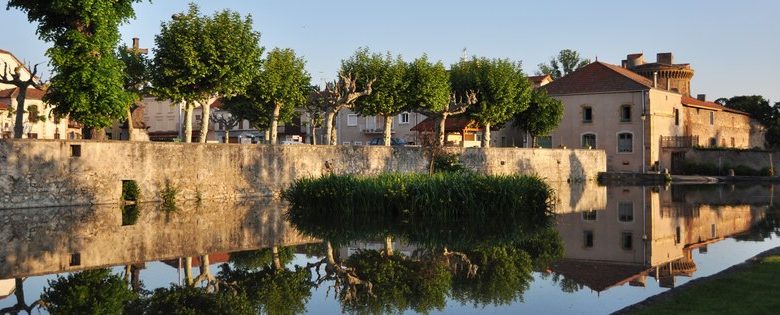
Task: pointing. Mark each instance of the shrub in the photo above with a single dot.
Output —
(448, 163)
(130, 190)
(168, 196)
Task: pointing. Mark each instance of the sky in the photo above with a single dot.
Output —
(733, 46)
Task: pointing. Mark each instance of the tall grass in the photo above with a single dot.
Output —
(444, 207)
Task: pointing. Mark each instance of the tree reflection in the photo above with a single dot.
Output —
(262, 276)
(88, 292)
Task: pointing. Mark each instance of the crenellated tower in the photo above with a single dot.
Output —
(665, 74)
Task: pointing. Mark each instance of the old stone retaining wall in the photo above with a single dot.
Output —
(755, 159)
(43, 173)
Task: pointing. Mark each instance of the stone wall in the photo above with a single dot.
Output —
(45, 240)
(727, 130)
(64, 173)
(755, 159)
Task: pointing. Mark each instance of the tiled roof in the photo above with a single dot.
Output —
(32, 94)
(598, 276)
(538, 79)
(3, 106)
(453, 124)
(598, 77)
(690, 101)
(216, 104)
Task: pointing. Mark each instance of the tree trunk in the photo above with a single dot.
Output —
(275, 122)
(130, 128)
(388, 130)
(204, 266)
(94, 133)
(389, 245)
(227, 135)
(441, 130)
(329, 257)
(135, 277)
(188, 270)
(313, 135)
(188, 122)
(330, 116)
(204, 122)
(486, 136)
(276, 258)
(19, 126)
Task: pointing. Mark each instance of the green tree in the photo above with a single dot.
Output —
(543, 114)
(344, 92)
(759, 109)
(88, 78)
(567, 62)
(318, 103)
(388, 93)
(430, 93)
(88, 292)
(283, 86)
(504, 275)
(136, 80)
(502, 90)
(198, 58)
(192, 300)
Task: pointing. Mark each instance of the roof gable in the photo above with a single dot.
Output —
(598, 77)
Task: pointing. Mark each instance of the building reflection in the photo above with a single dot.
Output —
(626, 234)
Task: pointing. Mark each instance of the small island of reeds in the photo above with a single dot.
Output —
(443, 207)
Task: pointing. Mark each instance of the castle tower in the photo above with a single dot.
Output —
(664, 72)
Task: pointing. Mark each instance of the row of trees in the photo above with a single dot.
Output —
(198, 58)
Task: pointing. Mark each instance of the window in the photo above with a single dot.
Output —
(733, 142)
(352, 120)
(677, 116)
(587, 114)
(358, 142)
(544, 141)
(626, 211)
(713, 231)
(677, 235)
(588, 239)
(713, 142)
(712, 118)
(403, 118)
(627, 240)
(625, 142)
(589, 140)
(625, 113)
(371, 122)
(589, 215)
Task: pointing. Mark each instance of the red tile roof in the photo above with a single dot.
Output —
(693, 102)
(32, 94)
(598, 77)
(216, 104)
(453, 124)
(3, 106)
(598, 276)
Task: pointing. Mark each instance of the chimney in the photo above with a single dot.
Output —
(136, 43)
(665, 58)
(655, 79)
(635, 60)
(624, 64)
(702, 97)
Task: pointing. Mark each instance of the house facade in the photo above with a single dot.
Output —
(639, 122)
(39, 121)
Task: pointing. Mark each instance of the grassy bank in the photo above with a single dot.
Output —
(749, 290)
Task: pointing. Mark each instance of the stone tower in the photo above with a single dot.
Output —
(665, 74)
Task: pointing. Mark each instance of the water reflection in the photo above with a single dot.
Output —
(245, 258)
(642, 232)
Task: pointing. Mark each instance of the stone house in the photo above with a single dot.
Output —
(639, 121)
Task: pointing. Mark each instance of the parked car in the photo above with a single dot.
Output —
(393, 141)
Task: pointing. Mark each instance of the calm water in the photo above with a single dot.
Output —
(615, 246)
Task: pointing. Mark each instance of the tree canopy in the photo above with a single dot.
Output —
(88, 78)
(200, 57)
(283, 86)
(389, 92)
(543, 114)
(88, 292)
(502, 90)
(566, 62)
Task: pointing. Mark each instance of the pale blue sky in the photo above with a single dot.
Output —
(734, 46)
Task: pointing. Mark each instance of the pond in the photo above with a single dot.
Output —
(605, 248)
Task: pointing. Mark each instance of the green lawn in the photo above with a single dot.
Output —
(755, 290)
